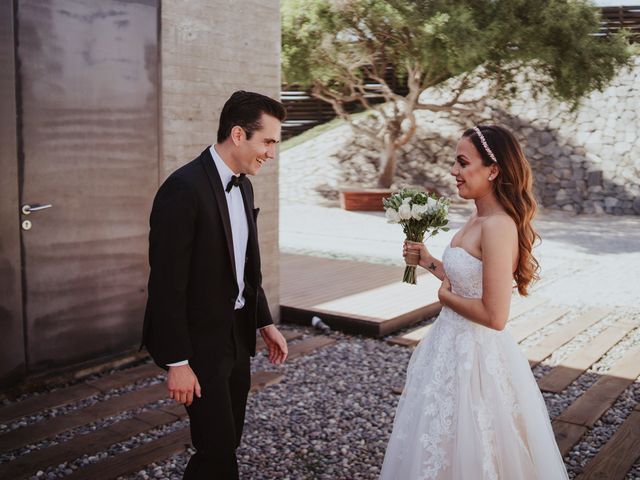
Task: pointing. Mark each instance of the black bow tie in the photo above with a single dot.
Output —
(235, 182)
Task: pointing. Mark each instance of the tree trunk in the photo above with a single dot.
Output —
(389, 166)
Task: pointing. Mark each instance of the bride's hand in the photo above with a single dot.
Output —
(445, 288)
(416, 247)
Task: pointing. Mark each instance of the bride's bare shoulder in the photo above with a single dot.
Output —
(500, 227)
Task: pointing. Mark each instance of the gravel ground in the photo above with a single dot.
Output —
(328, 419)
(331, 416)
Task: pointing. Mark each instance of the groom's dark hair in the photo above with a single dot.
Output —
(244, 109)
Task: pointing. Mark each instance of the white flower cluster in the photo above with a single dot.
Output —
(406, 211)
(418, 213)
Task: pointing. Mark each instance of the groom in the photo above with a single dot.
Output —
(205, 295)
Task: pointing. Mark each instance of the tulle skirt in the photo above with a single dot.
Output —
(471, 409)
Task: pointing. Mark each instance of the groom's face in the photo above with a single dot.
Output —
(254, 152)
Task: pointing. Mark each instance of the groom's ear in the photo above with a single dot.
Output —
(237, 135)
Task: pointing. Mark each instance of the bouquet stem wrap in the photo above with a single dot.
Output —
(418, 213)
(412, 259)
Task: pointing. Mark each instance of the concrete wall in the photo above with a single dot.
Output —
(209, 49)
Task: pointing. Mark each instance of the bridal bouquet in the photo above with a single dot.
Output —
(419, 213)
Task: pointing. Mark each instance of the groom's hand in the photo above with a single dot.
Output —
(276, 344)
(183, 383)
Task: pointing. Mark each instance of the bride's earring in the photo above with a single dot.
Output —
(491, 178)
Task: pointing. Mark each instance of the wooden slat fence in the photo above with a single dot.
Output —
(614, 18)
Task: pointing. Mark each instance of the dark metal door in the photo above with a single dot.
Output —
(12, 354)
(88, 109)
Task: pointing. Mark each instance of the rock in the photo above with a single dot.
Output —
(591, 157)
(631, 135)
(550, 149)
(610, 202)
(551, 178)
(621, 147)
(598, 207)
(546, 138)
(628, 116)
(583, 136)
(561, 196)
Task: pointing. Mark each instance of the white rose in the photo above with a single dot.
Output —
(392, 215)
(432, 206)
(417, 211)
(405, 211)
(406, 200)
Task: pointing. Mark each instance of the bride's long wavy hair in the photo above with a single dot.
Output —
(513, 187)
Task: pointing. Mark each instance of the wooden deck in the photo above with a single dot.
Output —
(353, 297)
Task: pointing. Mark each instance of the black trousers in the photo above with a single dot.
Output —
(217, 418)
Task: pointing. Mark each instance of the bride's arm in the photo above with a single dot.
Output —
(427, 260)
(498, 238)
(434, 265)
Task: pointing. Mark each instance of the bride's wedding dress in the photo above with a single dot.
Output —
(471, 408)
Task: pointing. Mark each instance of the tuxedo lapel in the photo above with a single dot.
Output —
(221, 200)
(251, 221)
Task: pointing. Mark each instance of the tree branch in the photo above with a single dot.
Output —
(337, 102)
(406, 136)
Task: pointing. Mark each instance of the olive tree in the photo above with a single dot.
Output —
(348, 51)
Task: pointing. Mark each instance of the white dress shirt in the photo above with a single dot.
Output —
(239, 229)
(239, 225)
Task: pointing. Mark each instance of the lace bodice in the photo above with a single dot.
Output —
(464, 271)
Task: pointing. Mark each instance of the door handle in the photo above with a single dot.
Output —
(27, 209)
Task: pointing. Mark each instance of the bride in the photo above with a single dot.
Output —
(471, 408)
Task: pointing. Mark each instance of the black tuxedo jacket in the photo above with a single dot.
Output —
(192, 284)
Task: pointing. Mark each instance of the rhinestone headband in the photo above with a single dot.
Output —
(485, 145)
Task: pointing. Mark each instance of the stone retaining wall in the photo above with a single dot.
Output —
(586, 161)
